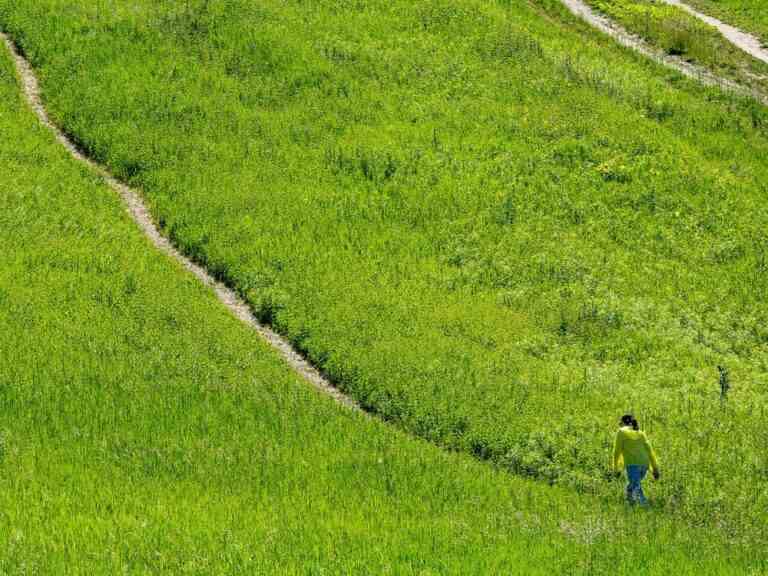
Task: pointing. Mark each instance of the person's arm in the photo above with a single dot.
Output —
(618, 456)
(652, 456)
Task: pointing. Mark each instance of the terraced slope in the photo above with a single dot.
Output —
(486, 223)
(144, 429)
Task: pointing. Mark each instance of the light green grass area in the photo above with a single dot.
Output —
(751, 15)
(493, 227)
(144, 430)
(680, 34)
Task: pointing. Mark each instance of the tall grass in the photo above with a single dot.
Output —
(144, 430)
(494, 229)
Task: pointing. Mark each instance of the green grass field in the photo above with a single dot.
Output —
(144, 430)
(499, 243)
(751, 15)
(680, 34)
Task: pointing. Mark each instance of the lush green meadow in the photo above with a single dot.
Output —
(680, 34)
(751, 15)
(491, 226)
(144, 430)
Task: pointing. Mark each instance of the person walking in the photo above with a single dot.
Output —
(632, 450)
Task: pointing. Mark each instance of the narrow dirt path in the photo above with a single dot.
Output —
(634, 42)
(140, 214)
(743, 40)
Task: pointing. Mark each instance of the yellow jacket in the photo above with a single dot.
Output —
(632, 448)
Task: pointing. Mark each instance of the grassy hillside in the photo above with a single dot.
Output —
(489, 225)
(751, 15)
(144, 430)
(678, 33)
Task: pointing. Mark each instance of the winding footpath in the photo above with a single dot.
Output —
(140, 214)
(742, 40)
(582, 10)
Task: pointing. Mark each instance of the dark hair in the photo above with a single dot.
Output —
(629, 420)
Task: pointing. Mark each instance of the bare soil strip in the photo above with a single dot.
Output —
(634, 42)
(140, 214)
(742, 40)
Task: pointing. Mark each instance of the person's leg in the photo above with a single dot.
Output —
(635, 475)
(642, 471)
(633, 479)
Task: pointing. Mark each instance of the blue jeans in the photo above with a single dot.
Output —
(635, 475)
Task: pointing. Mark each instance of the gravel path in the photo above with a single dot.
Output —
(626, 38)
(743, 40)
(140, 214)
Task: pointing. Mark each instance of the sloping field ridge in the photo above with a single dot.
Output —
(140, 215)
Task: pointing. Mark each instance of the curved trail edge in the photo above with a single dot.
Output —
(739, 38)
(581, 10)
(140, 214)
